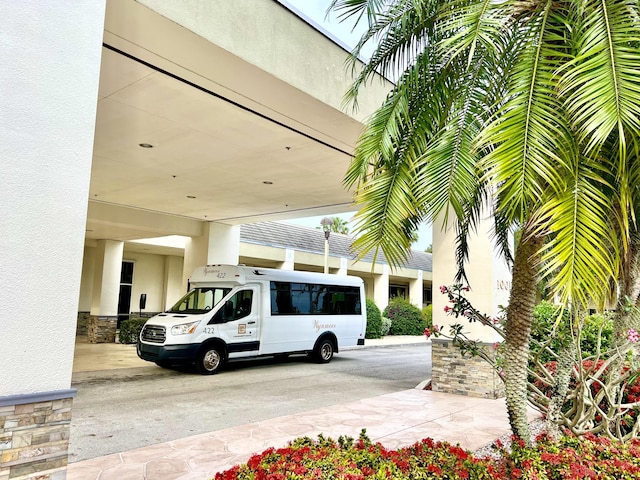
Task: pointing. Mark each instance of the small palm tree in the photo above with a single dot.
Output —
(338, 225)
(530, 109)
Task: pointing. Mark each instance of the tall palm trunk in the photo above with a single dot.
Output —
(628, 292)
(518, 331)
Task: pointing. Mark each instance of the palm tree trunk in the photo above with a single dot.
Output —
(518, 331)
(627, 317)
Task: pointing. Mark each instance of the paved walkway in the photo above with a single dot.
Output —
(394, 420)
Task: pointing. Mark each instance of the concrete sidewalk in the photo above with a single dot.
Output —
(395, 420)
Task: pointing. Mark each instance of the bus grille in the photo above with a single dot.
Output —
(153, 334)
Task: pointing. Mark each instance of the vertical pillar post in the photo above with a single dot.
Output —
(218, 244)
(453, 373)
(50, 53)
(343, 266)
(416, 290)
(289, 259)
(103, 319)
(381, 288)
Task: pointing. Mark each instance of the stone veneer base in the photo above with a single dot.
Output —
(34, 435)
(471, 376)
(102, 329)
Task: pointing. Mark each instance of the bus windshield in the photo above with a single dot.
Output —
(200, 300)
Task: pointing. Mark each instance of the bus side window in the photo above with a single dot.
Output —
(283, 300)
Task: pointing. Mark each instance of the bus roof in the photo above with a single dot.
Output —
(240, 274)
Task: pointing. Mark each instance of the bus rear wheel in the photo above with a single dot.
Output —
(324, 351)
(210, 360)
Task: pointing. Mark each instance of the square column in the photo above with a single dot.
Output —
(381, 288)
(487, 274)
(103, 319)
(50, 53)
(218, 244)
(416, 290)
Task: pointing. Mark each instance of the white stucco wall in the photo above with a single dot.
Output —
(484, 269)
(148, 277)
(301, 63)
(50, 57)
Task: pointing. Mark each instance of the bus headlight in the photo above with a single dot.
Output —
(185, 328)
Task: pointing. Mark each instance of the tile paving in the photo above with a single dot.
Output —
(395, 420)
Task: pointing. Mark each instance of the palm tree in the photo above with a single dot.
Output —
(339, 225)
(512, 106)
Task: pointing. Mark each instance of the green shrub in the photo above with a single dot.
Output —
(130, 329)
(386, 326)
(545, 315)
(591, 330)
(406, 318)
(374, 320)
(427, 314)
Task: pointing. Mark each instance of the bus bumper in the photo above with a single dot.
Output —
(168, 354)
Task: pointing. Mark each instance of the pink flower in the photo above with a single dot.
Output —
(443, 289)
(496, 345)
(467, 288)
(447, 309)
(633, 336)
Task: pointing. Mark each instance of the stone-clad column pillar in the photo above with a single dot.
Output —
(103, 319)
(487, 274)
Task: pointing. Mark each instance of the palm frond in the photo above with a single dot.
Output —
(528, 139)
(601, 83)
(581, 256)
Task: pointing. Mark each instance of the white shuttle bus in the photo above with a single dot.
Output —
(237, 312)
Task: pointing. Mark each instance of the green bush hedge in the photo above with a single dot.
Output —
(427, 314)
(545, 315)
(130, 329)
(406, 318)
(386, 326)
(374, 320)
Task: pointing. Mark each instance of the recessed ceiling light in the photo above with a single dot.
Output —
(267, 182)
(190, 196)
(145, 145)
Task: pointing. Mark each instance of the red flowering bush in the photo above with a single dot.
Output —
(345, 459)
(572, 458)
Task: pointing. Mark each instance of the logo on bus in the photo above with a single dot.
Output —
(322, 326)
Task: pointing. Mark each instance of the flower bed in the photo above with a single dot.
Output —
(346, 459)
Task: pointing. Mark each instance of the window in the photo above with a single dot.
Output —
(313, 299)
(237, 307)
(427, 296)
(126, 286)
(200, 300)
(397, 291)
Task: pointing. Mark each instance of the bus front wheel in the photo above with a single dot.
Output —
(210, 360)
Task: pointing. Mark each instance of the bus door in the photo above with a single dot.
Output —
(238, 322)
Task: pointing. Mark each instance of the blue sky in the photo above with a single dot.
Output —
(316, 10)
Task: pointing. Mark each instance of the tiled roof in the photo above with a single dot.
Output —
(296, 237)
